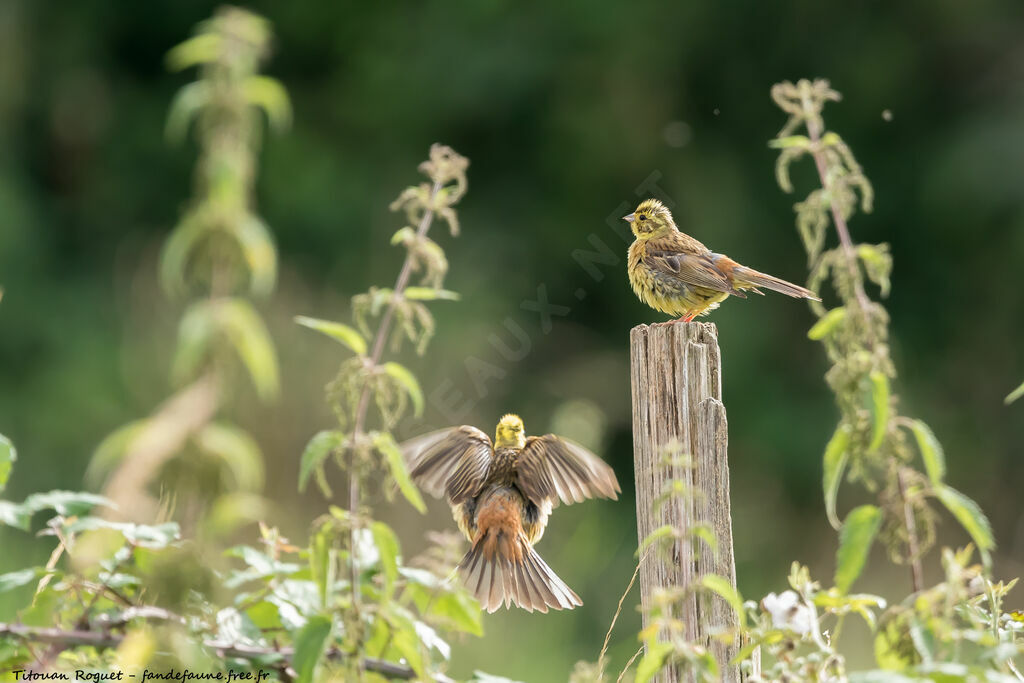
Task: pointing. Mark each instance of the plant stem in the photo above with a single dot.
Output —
(913, 549)
(814, 132)
(364, 397)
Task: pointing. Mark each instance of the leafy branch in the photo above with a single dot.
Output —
(870, 444)
(220, 252)
(360, 447)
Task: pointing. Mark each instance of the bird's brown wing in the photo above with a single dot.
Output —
(453, 462)
(697, 270)
(551, 466)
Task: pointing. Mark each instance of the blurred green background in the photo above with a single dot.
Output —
(564, 111)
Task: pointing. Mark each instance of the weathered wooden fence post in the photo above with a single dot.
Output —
(677, 398)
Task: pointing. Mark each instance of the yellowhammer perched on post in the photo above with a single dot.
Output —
(501, 496)
(676, 274)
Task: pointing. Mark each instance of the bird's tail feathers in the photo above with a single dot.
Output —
(750, 279)
(508, 570)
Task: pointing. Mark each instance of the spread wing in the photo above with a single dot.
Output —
(692, 269)
(551, 466)
(453, 462)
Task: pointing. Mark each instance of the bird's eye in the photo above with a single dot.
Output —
(643, 217)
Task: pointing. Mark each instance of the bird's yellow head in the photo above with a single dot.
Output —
(510, 432)
(651, 219)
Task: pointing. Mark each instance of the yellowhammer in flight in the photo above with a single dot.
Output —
(501, 495)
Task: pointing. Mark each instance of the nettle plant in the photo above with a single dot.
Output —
(375, 606)
(956, 630)
(166, 595)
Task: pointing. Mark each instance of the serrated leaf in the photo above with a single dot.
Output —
(348, 336)
(879, 408)
(17, 579)
(855, 539)
(407, 642)
(317, 451)
(310, 645)
(17, 516)
(408, 381)
(724, 588)
(251, 340)
(199, 49)
(235, 321)
(268, 94)
(970, 516)
(429, 294)
(177, 251)
(836, 455)
(931, 451)
(8, 455)
(65, 503)
(652, 661)
(155, 536)
(238, 451)
(385, 444)
(789, 141)
(661, 533)
(457, 610)
(388, 549)
(827, 324)
(187, 103)
(257, 246)
(1014, 395)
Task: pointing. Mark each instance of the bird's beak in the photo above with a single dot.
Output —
(630, 218)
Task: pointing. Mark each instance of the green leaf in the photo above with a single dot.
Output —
(187, 103)
(17, 579)
(855, 539)
(457, 610)
(65, 503)
(322, 557)
(790, 141)
(663, 532)
(251, 340)
(880, 408)
(388, 549)
(836, 454)
(147, 536)
(310, 645)
(409, 382)
(970, 517)
(177, 250)
(257, 246)
(652, 661)
(348, 336)
(707, 534)
(827, 323)
(429, 294)
(728, 592)
(1014, 395)
(317, 451)
(7, 457)
(407, 642)
(233, 320)
(14, 515)
(931, 452)
(387, 447)
(199, 49)
(268, 94)
(237, 450)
